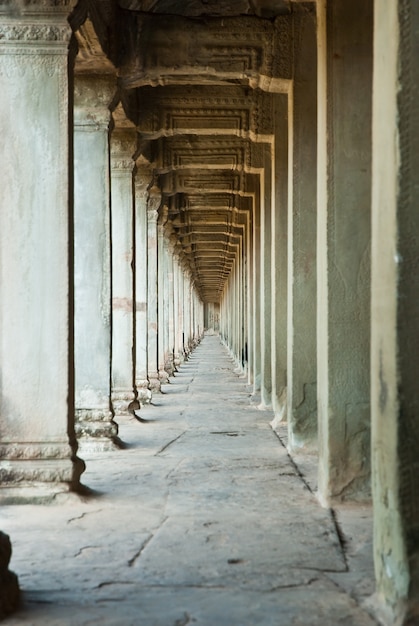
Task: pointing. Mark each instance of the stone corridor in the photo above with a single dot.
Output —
(201, 519)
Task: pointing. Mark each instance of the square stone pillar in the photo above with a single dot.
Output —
(395, 308)
(178, 309)
(123, 146)
(250, 299)
(153, 204)
(302, 280)
(95, 427)
(279, 243)
(163, 297)
(256, 291)
(170, 365)
(265, 279)
(186, 313)
(38, 444)
(343, 247)
(143, 178)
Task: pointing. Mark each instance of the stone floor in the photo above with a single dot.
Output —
(202, 519)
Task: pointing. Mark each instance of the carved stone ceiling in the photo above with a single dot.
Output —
(198, 78)
(196, 8)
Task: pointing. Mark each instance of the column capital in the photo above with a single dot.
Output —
(163, 215)
(123, 145)
(92, 97)
(143, 177)
(39, 24)
(154, 202)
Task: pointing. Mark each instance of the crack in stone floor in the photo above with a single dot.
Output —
(204, 519)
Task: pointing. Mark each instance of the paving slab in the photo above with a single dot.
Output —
(202, 518)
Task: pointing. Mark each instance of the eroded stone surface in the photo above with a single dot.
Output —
(202, 519)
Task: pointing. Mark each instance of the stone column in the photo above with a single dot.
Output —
(143, 178)
(38, 443)
(153, 204)
(250, 302)
(265, 281)
(95, 427)
(180, 315)
(176, 352)
(172, 306)
(343, 251)
(186, 313)
(162, 292)
(168, 303)
(123, 146)
(244, 301)
(239, 309)
(395, 308)
(256, 292)
(279, 242)
(302, 365)
(245, 287)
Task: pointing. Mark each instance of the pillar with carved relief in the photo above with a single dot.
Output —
(38, 444)
(95, 427)
(123, 146)
(143, 177)
(153, 204)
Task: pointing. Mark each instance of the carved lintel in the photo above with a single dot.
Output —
(91, 57)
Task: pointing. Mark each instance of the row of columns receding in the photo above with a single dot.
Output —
(136, 306)
(319, 310)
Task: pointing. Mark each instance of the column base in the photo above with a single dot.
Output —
(9, 587)
(163, 376)
(121, 401)
(144, 394)
(37, 472)
(95, 430)
(178, 360)
(170, 366)
(155, 384)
